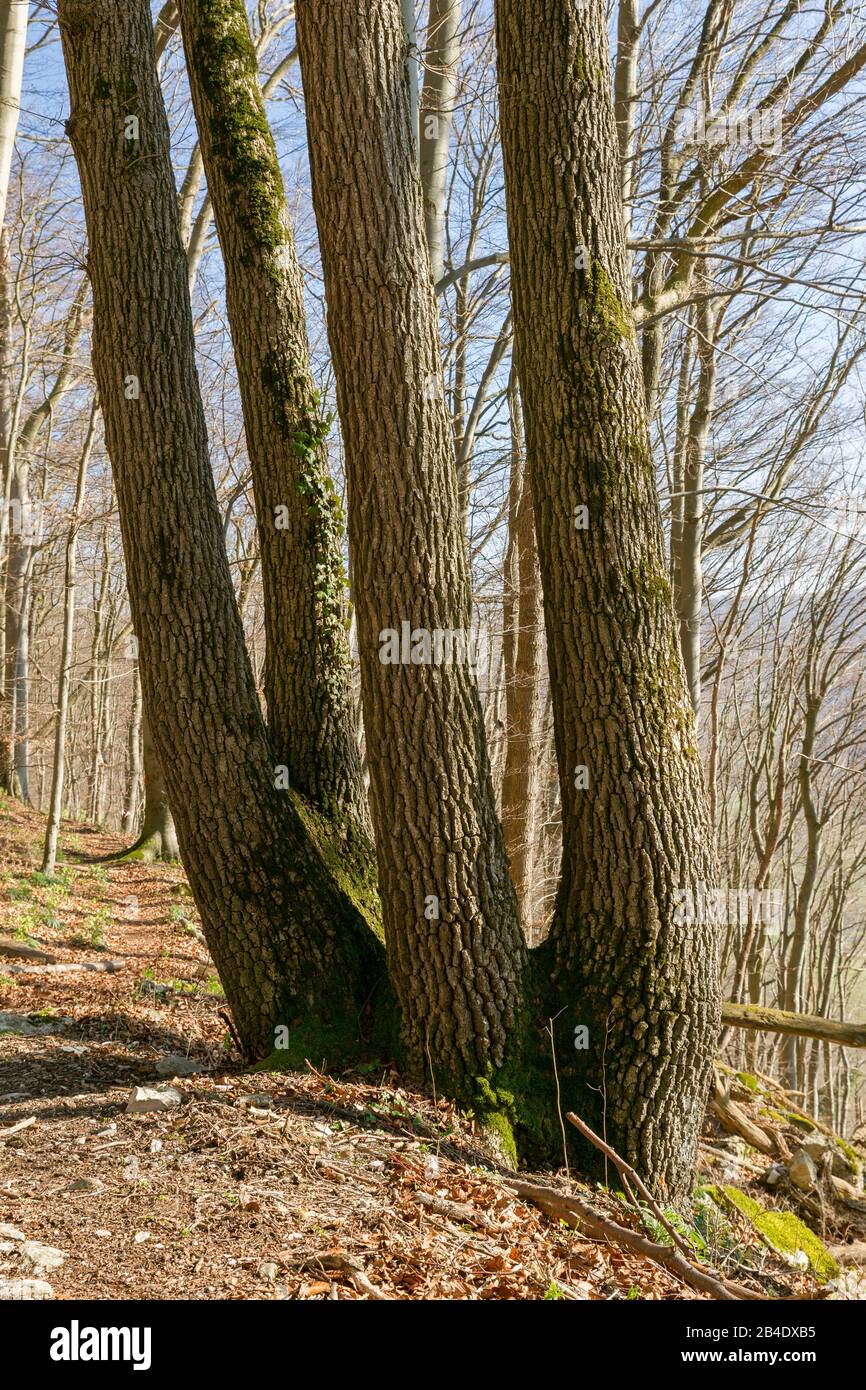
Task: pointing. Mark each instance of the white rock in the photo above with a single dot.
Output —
(141, 1236)
(43, 1258)
(25, 1289)
(11, 1232)
(817, 1145)
(802, 1171)
(143, 1099)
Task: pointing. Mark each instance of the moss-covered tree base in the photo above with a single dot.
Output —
(148, 849)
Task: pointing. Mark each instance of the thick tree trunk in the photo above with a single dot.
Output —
(291, 948)
(300, 521)
(634, 820)
(454, 944)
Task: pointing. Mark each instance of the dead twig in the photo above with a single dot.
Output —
(629, 1177)
(575, 1212)
(351, 1269)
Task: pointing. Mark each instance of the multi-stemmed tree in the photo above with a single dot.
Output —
(620, 973)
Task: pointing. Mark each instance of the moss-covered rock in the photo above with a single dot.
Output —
(782, 1231)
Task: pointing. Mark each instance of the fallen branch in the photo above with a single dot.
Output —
(736, 1121)
(756, 1017)
(16, 1129)
(108, 966)
(575, 1212)
(351, 1269)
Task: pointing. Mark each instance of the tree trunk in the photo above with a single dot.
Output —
(625, 964)
(441, 59)
(22, 534)
(625, 99)
(58, 774)
(13, 43)
(300, 520)
(794, 967)
(97, 681)
(687, 541)
(290, 946)
(158, 837)
(522, 650)
(133, 759)
(7, 426)
(454, 944)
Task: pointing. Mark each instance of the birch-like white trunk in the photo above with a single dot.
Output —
(441, 57)
(13, 41)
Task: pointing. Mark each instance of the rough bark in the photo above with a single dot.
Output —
(289, 945)
(644, 983)
(300, 521)
(439, 843)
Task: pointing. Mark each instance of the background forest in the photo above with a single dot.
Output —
(742, 168)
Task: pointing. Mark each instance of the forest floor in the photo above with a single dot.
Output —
(246, 1185)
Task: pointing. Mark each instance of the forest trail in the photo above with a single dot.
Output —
(260, 1186)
